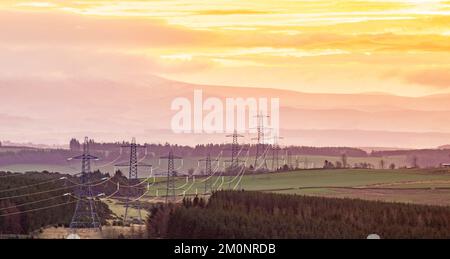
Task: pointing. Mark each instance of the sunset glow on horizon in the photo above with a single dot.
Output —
(397, 47)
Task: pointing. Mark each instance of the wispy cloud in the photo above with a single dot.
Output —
(231, 12)
(231, 42)
(438, 78)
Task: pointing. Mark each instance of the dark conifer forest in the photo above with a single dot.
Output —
(250, 215)
(35, 200)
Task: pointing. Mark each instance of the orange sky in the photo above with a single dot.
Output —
(398, 47)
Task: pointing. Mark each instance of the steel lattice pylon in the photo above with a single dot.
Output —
(208, 170)
(171, 174)
(275, 153)
(235, 165)
(235, 148)
(275, 157)
(288, 158)
(85, 215)
(133, 176)
(260, 145)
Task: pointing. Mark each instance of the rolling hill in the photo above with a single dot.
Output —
(113, 110)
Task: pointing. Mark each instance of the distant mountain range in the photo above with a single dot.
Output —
(52, 111)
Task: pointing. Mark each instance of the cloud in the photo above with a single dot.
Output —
(60, 45)
(231, 12)
(375, 43)
(53, 28)
(62, 29)
(436, 78)
(64, 62)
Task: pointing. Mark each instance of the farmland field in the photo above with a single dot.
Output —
(421, 186)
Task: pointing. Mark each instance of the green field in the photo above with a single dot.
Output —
(402, 185)
(423, 186)
(118, 209)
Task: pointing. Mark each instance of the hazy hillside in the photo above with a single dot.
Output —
(112, 110)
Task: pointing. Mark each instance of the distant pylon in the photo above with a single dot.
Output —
(275, 153)
(133, 176)
(235, 163)
(235, 148)
(288, 158)
(260, 156)
(85, 215)
(208, 170)
(171, 174)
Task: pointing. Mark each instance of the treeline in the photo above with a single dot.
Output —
(30, 156)
(110, 151)
(326, 151)
(23, 195)
(48, 156)
(215, 149)
(419, 157)
(250, 215)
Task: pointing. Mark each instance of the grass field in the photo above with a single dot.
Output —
(118, 209)
(421, 186)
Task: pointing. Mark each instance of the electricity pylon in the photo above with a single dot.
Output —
(208, 170)
(275, 153)
(288, 158)
(133, 176)
(85, 215)
(235, 148)
(171, 174)
(235, 163)
(260, 156)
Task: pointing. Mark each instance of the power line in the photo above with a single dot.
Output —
(275, 153)
(235, 148)
(239, 174)
(38, 209)
(36, 193)
(85, 215)
(216, 168)
(133, 166)
(208, 170)
(52, 190)
(263, 162)
(171, 173)
(288, 158)
(236, 164)
(32, 202)
(260, 142)
(32, 185)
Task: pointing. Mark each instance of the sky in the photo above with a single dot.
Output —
(390, 46)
